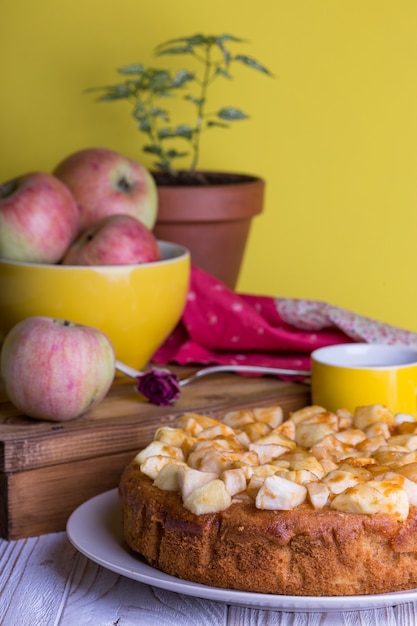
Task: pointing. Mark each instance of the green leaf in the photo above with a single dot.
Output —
(219, 124)
(157, 74)
(114, 92)
(175, 50)
(225, 53)
(109, 97)
(165, 166)
(228, 37)
(173, 154)
(134, 68)
(159, 80)
(166, 133)
(153, 149)
(182, 77)
(231, 114)
(198, 39)
(140, 110)
(250, 62)
(222, 72)
(144, 125)
(193, 40)
(197, 101)
(184, 130)
(160, 113)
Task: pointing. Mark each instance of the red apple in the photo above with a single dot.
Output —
(54, 369)
(116, 240)
(105, 182)
(39, 218)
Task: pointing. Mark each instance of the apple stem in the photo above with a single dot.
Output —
(8, 188)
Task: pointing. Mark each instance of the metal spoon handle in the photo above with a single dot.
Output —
(255, 369)
(129, 371)
(242, 368)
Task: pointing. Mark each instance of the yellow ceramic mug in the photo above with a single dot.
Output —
(358, 374)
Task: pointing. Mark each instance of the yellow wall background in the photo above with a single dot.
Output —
(334, 134)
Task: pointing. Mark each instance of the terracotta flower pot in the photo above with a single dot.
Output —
(212, 220)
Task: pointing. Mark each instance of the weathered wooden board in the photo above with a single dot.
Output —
(47, 469)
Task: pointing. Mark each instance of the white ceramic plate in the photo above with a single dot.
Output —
(95, 530)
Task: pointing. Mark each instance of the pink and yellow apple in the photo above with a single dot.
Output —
(54, 369)
(116, 240)
(104, 183)
(39, 218)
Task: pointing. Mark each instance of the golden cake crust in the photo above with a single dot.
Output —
(298, 552)
(320, 504)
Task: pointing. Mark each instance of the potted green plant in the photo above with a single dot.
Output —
(207, 211)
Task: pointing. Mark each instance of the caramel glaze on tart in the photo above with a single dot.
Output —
(306, 550)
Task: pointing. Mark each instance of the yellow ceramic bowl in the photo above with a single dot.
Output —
(137, 306)
(352, 375)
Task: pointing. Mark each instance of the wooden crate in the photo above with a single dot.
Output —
(47, 469)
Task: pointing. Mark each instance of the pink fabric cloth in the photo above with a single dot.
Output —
(219, 326)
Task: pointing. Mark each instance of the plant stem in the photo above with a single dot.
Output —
(145, 87)
(153, 133)
(200, 109)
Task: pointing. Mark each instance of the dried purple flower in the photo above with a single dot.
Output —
(160, 386)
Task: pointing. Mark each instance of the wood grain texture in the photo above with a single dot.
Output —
(123, 420)
(44, 580)
(41, 500)
(33, 578)
(47, 469)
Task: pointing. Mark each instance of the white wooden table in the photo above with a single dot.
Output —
(46, 581)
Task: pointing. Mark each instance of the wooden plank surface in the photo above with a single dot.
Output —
(40, 501)
(44, 580)
(124, 421)
(47, 469)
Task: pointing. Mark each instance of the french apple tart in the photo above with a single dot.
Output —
(320, 504)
